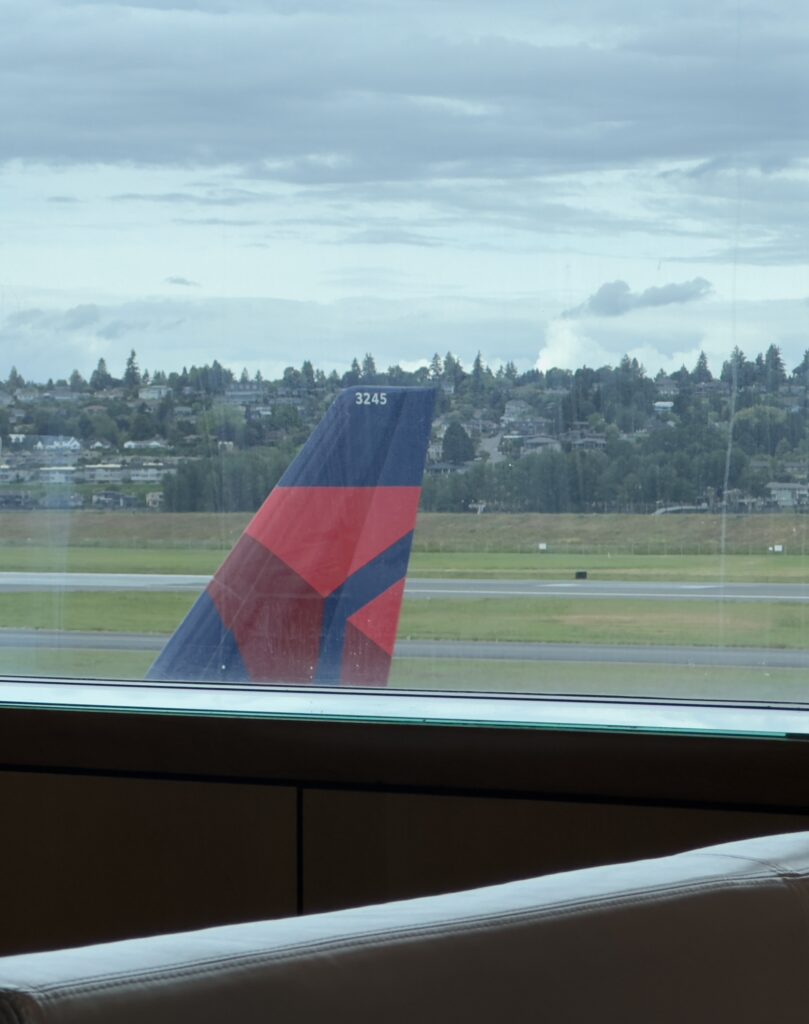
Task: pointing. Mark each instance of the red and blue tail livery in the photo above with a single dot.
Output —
(312, 591)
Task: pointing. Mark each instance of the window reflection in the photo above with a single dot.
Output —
(581, 230)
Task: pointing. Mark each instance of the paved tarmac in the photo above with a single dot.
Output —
(426, 589)
(422, 589)
(740, 657)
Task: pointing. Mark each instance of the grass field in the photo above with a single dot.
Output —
(633, 622)
(110, 559)
(700, 534)
(630, 548)
(546, 620)
(652, 568)
(680, 681)
(449, 565)
(81, 664)
(660, 548)
(116, 612)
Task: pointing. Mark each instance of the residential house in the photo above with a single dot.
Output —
(153, 392)
(789, 495)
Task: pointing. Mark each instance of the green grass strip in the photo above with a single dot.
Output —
(449, 565)
(87, 611)
(102, 559)
(548, 620)
(82, 663)
(675, 681)
(687, 682)
(608, 621)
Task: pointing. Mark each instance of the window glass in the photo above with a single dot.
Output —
(581, 227)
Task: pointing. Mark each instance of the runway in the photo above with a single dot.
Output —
(730, 657)
(420, 589)
(605, 590)
(425, 589)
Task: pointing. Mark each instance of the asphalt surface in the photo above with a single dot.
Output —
(426, 589)
(584, 589)
(576, 653)
(422, 589)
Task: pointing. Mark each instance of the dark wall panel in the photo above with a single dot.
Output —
(85, 859)
(370, 847)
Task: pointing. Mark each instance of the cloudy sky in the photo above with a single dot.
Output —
(555, 182)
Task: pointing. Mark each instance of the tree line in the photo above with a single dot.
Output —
(721, 438)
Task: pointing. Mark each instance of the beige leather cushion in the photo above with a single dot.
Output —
(715, 935)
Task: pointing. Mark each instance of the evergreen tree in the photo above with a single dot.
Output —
(774, 372)
(15, 380)
(801, 371)
(369, 375)
(453, 371)
(477, 384)
(457, 446)
(292, 378)
(132, 378)
(738, 371)
(307, 374)
(100, 378)
(701, 374)
(218, 378)
(353, 376)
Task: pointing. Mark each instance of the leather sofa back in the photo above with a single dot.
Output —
(720, 934)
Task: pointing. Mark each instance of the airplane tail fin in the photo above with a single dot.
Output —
(312, 590)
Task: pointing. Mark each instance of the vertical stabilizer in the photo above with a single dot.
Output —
(312, 591)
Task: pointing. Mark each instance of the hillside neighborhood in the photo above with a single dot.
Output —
(590, 440)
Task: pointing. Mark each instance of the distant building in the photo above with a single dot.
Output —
(155, 444)
(62, 393)
(589, 442)
(148, 474)
(26, 395)
(104, 472)
(244, 393)
(667, 387)
(789, 495)
(541, 443)
(56, 443)
(113, 499)
(435, 450)
(153, 392)
(57, 474)
(516, 409)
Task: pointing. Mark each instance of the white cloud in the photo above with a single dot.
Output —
(389, 160)
(263, 334)
(568, 346)
(183, 282)
(616, 298)
(669, 341)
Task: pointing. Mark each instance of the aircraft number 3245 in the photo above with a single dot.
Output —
(371, 398)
